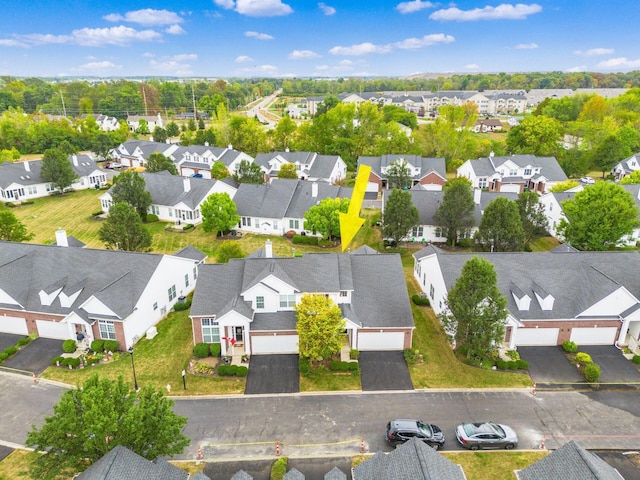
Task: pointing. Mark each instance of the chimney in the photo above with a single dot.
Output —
(206, 144)
(61, 238)
(27, 167)
(286, 149)
(477, 194)
(74, 159)
(187, 184)
(314, 189)
(230, 147)
(268, 250)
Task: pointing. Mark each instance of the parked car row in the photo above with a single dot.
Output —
(473, 436)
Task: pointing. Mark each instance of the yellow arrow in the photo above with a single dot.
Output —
(351, 222)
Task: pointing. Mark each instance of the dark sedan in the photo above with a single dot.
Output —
(404, 429)
(475, 436)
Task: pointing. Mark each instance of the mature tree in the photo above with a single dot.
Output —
(284, 133)
(288, 170)
(398, 174)
(564, 186)
(319, 325)
(608, 153)
(123, 230)
(249, 172)
(91, 420)
(143, 127)
(101, 144)
(12, 229)
(130, 187)
(393, 113)
(631, 179)
(57, 169)
(475, 311)
(501, 229)
(329, 102)
(159, 134)
(455, 213)
(227, 250)
(157, 162)
(324, 218)
(172, 129)
(537, 135)
(598, 217)
(219, 213)
(534, 220)
(400, 215)
(219, 170)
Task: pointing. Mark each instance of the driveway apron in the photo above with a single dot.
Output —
(549, 365)
(614, 368)
(35, 357)
(385, 370)
(273, 374)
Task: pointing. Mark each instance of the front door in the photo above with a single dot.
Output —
(238, 334)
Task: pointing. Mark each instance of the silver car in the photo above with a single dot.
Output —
(486, 435)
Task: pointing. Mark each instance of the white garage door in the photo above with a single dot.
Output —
(537, 336)
(187, 172)
(57, 330)
(274, 344)
(13, 325)
(594, 336)
(380, 340)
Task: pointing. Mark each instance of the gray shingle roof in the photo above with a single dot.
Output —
(241, 475)
(17, 172)
(549, 166)
(413, 460)
(191, 253)
(426, 164)
(293, 474)
(570, 462)
(335, 474)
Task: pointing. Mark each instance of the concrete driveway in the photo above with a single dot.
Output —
(614, 368)
(385, 370)
(35, 357)
(549, 365)
(273, 374)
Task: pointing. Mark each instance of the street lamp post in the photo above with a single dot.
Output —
(184, 379)
(133, 367)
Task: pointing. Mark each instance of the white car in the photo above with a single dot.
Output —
(587, 180)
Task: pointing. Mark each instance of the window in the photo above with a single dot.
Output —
(259, 302)
(343, 293)
(195, 273)
(275, 225)
(439, 232)
(294, 224)
(527, 171)
(172, 292)
(186, 280)
(431, 291)
(513, 172)
(482, 182)
(287, 301)
(155, 210)
(416, 231)
(210, 331)
(32, 189)
(107, 330)
(171, 212)
(50, 187)
(155, 306)
(246, 221)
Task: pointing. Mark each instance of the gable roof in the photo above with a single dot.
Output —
(570, 462)
(413, 460)
(191, 253)
(549, 166)
(426, 164)
(30, 172)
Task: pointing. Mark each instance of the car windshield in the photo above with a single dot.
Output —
(426, 428)
(499, 430)
(469, 429)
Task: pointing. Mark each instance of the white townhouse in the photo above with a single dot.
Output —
(309, 165)
(430, 173)
(134, 153)
(626, 167)
(198, 159)
(23, 180)
(105, 122)
(153, 121)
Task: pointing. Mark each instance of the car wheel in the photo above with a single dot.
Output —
(473, 447)
(435, 446)
(509, 446)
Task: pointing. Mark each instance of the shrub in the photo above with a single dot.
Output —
(223, 370)
(216, 349)
(513, 365)
(569, 346)
(636, 359)
(10, 351)
(591, 372)
(334, 366)
(9, 204)
(3, 356)
(228, 250)
(151, 218)
(56, 360)
(70, 361)
(188, 226)
(279, 469)
(23, 341)
(97, 346)
(97, 213)
(420, 301)
(111, 345)
(242, 371)
(584, 358)
(305, 240)
(465, 242)
(304, 366)
(201, 350)
(69, 346)
(179, 307)
(325, 243)
(353, 367)
(501, 364)
(513, 354)
(354, 354)
(522, 364)
(411, 356)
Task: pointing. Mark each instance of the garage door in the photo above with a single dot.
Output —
(594, 336)
(537, 336)
(56, 330)
(274, 344)
(380, 340)
(13, 325)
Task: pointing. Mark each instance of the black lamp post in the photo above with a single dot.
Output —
(133, 367)
(184, 379)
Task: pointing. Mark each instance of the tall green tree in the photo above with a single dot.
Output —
(320, 326)
(284, 133)
(159, 134)
(631, 179)
(400, 215)
(324, 218)
(157, 162)
(398, 174)
(536, 135)
(608, 153)
(475, 312)
(288, 170)
(219, 213)
(94, 418)
(598, 217)
(534, 220)
(455, 213)
(12, 229)
(501, 229)
(57, 169)
(172, 129)
(130, 187)
(249, 172)
(143, 127)
(219, 170)
(123, 230)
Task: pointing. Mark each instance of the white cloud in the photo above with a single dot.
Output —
(594, 52)
(406, 44)
(326, 9)
(620, 62)
(171, 66)
(345, 63)
(96, 37)
(506, 11)
(526, 46)
(579, 68)
(147, 17)
(322, 67)
(175, 30)
(413, 6)
(472, 66)
(260, 69)
(6, 42)
(184, 57)
(302, 55)
(99, 67)
(243, 59)
(256, 8)
(259, 36)
(149, 54)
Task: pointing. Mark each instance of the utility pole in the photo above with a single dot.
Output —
(193, 97)
(64, 110)
(144, 97)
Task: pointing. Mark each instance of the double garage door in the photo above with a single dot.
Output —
(582, 336)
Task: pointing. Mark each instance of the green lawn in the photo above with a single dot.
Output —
(494, 465)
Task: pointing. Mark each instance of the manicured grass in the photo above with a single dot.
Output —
(322, 380)
(16, 465)
(544, 244)
(498, 464)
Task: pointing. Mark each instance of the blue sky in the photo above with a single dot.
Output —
(333, 38)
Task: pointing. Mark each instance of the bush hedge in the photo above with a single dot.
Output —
(111, 345)
(70, 362)
(216, 349)
(151, 218)
(569, 346)
(354, 354)
(591, 372)
(3, 356)
(201, 350)
(97, 346)
(584, 358)
(279, 469)
(636, 359)
(178, 307)
(303, 365)
(232, 370)
(522, 364)
(242, 371)
(57, 360)
(10, 350)
(23, 341)
(305, 240)
(420, 301)
(69, 346)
